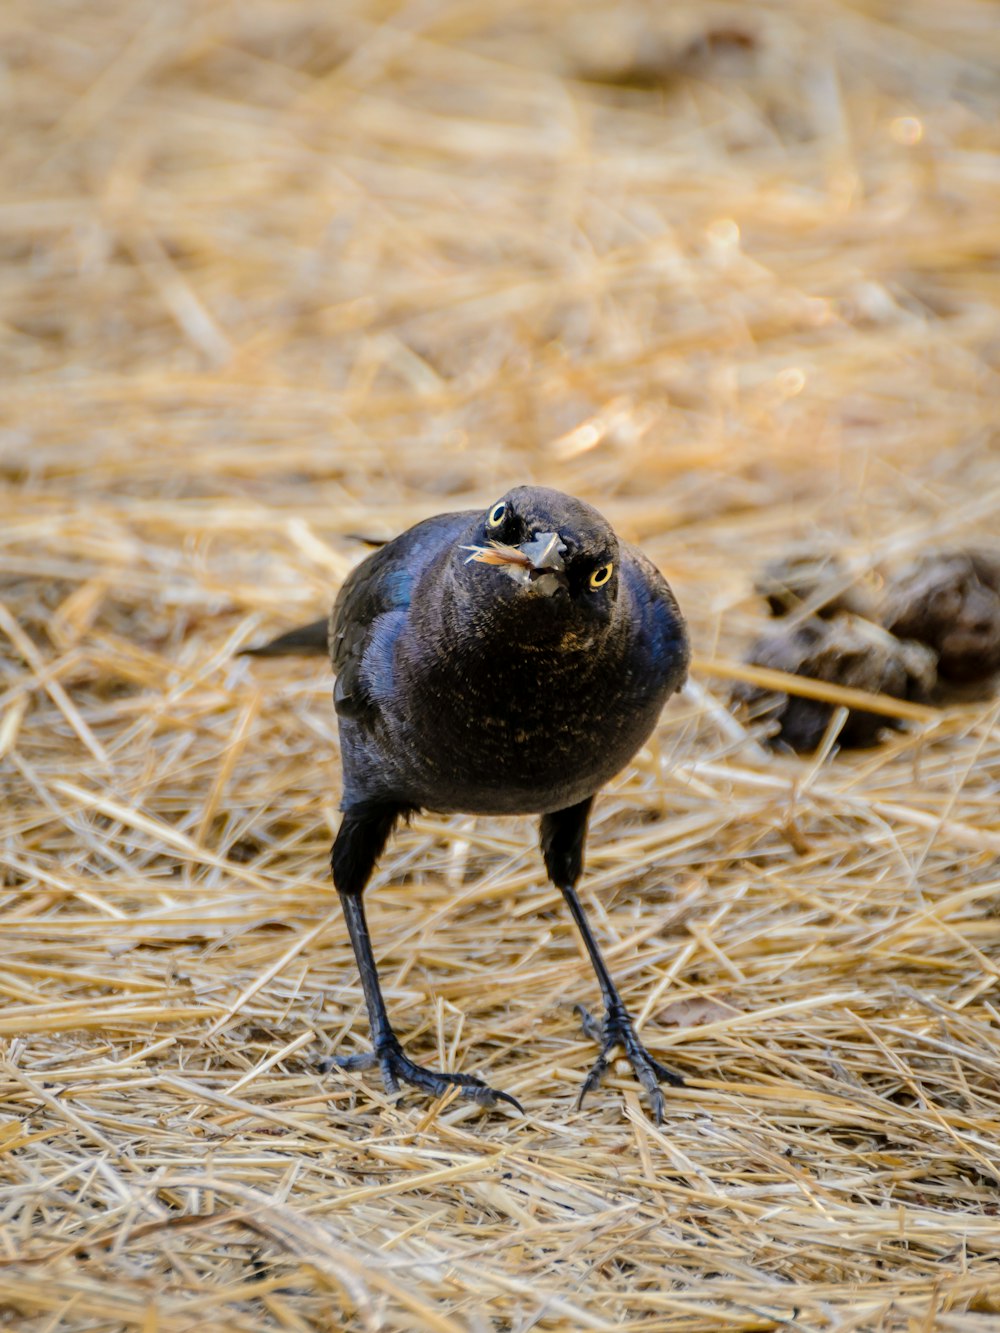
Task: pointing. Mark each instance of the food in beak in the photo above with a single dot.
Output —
(538, 562)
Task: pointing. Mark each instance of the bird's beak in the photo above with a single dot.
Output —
(537, 563)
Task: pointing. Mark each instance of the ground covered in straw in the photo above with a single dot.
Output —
(272, 274)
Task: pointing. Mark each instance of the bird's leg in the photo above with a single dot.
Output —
(562, 837)
(363, 834)
(617, 1028)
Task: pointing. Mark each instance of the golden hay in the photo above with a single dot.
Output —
(274, 273)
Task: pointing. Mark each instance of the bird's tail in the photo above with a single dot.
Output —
(305, 640)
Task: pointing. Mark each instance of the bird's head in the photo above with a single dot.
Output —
(545, 559)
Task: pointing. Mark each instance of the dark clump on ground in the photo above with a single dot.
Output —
(950, 600)
(937, 630)
(815, 581)
(847, 651)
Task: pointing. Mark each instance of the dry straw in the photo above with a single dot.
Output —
(272, 274)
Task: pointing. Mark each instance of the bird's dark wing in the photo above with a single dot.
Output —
(301, 641)
(371, 607)
(661, 651)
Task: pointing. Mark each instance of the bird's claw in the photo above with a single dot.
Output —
(398, 1068)
(618, 1030)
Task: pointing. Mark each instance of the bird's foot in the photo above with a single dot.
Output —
(618, 1030)
(398, 1068)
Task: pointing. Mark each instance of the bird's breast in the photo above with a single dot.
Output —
(525, 731)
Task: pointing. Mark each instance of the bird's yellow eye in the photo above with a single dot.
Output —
(496, 514)
(601, 576)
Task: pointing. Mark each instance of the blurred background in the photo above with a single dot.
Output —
(731, 269)
(278, 271)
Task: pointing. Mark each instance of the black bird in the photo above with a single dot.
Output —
(506, 662)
